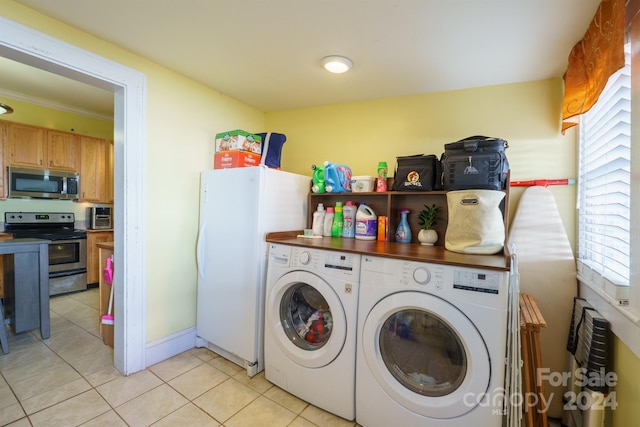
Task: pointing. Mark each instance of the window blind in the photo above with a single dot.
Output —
(604, 201)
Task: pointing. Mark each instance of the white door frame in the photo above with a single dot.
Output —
(25, 45)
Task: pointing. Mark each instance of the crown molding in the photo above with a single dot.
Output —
(54, 105)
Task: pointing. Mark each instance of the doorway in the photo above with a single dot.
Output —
(30, 47)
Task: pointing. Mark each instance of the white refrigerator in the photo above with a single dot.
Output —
(238, 207)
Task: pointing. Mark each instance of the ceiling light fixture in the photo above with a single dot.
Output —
(336, 64)
(5, 109)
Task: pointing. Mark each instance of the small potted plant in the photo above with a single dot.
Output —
(427, 218)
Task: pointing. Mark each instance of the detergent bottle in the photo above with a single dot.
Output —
(318, 220)
(349, 219)
(336, 228)
(328, 222)
(337, 178)
(318, 179)
(366, 223)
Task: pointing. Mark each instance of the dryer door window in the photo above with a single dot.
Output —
(426, 354)
(422, 352)
(306, 317)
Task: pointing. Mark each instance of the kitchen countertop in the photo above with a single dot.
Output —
(105, 245)
(410, 252)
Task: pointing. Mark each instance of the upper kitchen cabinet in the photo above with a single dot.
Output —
(24, 145)
(35, 147)
(3, 156)
(93, 172)
(109, 165)
(62, 151)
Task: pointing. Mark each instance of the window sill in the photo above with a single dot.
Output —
(624, 321)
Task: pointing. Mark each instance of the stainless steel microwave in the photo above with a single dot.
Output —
(42, 184)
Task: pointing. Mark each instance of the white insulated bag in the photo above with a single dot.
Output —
(475, 222)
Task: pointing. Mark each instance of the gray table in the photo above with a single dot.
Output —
(26, 285)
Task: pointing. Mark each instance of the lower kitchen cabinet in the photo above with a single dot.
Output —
(3, 236)
(94, 269)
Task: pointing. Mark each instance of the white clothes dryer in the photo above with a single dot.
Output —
(310, 325)
(431, 344)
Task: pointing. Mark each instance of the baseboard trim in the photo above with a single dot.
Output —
(169, 346)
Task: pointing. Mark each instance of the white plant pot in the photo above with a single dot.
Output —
(428, 237)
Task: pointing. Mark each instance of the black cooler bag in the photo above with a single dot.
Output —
(416, 173)
(477, 162)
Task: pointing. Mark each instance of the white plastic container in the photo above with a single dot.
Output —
(366, 223)
(318, 221)
(349, 219)
(362, 184)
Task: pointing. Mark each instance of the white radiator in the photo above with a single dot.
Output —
(586, 395)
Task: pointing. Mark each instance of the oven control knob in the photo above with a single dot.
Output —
(305, 258)
(421, 275)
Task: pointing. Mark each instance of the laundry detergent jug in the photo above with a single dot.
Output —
(337, 178)
(318, 179)
(366, 223)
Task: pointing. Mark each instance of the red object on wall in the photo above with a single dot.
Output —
(543, 182)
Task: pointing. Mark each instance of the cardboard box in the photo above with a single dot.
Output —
(238, 140)
(235, 159)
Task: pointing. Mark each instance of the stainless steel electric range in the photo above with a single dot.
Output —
(67, 250)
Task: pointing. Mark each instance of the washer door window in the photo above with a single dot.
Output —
(426, 354)
(306, 319)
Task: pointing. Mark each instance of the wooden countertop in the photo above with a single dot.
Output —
(410, 252)
(105, 245)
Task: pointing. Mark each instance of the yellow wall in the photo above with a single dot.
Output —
(363, 133)
(182, 120)
(626, 366)
(50, 118)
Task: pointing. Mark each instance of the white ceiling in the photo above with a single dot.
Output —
(267, 53)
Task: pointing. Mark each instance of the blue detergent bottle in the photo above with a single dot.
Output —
(403, 232)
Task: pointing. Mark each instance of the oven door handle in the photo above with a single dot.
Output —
(67, 273)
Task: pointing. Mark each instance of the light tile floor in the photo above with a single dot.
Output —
(69, 380)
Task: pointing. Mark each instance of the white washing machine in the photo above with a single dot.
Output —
(310, 325)
(431, 344)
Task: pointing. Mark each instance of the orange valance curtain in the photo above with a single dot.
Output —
(593, 60)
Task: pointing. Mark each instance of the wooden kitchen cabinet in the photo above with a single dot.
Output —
(36, 147)
(109, 172)
(3, 236)
(63, 151)
(3, 159)
(25, 145)
(94, 269)
(93, 181)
